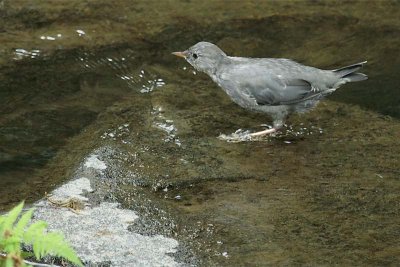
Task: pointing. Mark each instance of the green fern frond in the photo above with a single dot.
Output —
(11, 217)
(54, 244)
(33, 230)
(22, 223)
(10, 241)
(13, 245)
(14, 233)
(49, 243)
(9, 262)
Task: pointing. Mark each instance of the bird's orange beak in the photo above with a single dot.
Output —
(181, 54)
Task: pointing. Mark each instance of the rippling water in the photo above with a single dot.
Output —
(324, 191)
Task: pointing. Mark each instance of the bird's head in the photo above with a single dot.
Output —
(203, 56)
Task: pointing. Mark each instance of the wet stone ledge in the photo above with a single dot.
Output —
(98, 227)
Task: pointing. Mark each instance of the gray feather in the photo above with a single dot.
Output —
(349, 69)
(287, 91)
(356, 77)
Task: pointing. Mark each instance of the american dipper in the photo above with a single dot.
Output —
(275, 86)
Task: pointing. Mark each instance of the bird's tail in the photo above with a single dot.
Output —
(349, 73)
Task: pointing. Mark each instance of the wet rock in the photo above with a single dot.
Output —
(99, 231)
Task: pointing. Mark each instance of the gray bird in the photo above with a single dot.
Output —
(275, 86)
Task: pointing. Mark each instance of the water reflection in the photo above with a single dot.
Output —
(166, 125)
(22, 53)
(125, 68)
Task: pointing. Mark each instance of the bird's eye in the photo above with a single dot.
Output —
(195, 55)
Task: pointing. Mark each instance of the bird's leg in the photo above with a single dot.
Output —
(267, 131)
(277, 125)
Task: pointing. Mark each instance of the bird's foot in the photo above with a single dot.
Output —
(243, 136)
(236, 137)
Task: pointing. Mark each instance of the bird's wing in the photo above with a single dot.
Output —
(268, 88)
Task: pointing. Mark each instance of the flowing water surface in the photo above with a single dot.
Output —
(76, 77)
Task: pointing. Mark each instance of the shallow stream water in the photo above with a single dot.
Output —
(76, 77)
